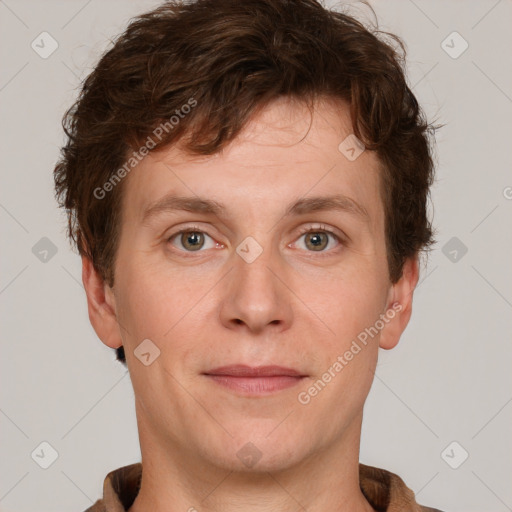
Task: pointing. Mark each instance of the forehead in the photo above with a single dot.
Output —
(282, 155)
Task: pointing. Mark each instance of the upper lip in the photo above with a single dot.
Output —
(241, 370)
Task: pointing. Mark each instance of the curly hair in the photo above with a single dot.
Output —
(226, 60)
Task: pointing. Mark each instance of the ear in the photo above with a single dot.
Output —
(101, 305)
(400, 302)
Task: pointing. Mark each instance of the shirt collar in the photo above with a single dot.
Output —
(385, 491)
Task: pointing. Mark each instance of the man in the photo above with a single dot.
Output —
(247, 185)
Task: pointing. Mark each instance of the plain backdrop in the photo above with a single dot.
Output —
(443, 392)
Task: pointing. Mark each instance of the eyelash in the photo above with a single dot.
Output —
(303, 231)
(321, 228)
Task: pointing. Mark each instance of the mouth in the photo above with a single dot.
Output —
(255, 381)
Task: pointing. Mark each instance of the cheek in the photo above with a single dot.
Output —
(149, 305)
(349, 304)
(167, 309)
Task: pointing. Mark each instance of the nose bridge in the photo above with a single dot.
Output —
(253, 262)
(255, 296)
(253, 278)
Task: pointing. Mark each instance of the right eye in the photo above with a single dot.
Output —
(191, 240)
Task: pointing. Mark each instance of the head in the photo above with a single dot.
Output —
(243, 107)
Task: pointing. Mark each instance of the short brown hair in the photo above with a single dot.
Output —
(232, 58)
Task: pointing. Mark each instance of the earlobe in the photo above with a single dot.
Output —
(101, 305)
(399, 309)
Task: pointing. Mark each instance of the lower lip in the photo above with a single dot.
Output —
(256, 385)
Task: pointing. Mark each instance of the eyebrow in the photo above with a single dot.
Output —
(172, 203)
(337, 203)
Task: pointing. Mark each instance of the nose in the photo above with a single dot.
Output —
(256, 296)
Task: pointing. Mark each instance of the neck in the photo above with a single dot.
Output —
(174, 479)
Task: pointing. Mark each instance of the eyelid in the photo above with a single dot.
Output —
(190, 229)
(186, 229)
(339, 236)
(323, 227)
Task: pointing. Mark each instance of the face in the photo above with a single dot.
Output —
(277, 258)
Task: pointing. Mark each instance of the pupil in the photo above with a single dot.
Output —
(317, 239)
(192, 240)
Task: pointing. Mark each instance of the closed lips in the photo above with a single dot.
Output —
(254, 372)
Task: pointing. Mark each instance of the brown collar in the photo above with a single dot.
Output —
(385, 491)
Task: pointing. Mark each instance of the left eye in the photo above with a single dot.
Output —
(318, 240)
(192, 240)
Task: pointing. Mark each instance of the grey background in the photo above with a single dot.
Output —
(448, 380)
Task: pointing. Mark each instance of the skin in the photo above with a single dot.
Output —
(293, 306)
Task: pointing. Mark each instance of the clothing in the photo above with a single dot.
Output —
(385, 491)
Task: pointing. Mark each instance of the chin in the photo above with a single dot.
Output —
(258, 452)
